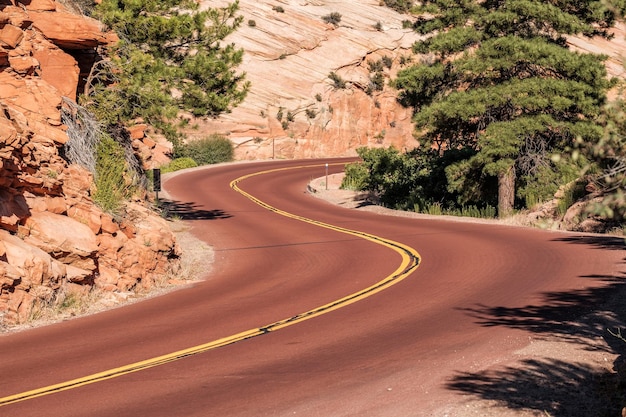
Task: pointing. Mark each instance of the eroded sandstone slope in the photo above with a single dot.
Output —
(294, 110)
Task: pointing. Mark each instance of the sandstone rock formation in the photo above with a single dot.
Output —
(293, 109)
(52, 236)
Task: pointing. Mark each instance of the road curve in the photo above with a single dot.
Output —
(391, 353)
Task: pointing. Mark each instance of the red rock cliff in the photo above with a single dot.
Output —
(52, 236)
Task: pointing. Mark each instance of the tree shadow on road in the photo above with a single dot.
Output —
(554, 387)
(576, 316)
(597, 241)
(561, 387)
(189, 211)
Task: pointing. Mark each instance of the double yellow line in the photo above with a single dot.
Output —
(410, 261)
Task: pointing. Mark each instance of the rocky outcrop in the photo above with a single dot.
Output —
(52, 236)
(293, 109)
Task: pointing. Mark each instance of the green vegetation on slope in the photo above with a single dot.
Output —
(170, 57)
(500, 102)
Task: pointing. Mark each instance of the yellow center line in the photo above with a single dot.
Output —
(410, 261)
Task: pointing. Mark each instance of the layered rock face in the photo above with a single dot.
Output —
(294, 110)
(52, 236)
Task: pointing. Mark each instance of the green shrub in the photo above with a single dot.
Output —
(434, 209)
(355, 178)
(377, 82)
(210, 150)
(488, 212)
(571, 194)
(338, 82)
(437, 209)
(375, 66)
(178, 164)
(278, 9)
(111, 179)
(401, 6)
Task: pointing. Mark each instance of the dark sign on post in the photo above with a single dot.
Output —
(156, 179)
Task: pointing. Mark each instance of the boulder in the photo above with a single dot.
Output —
(60, 235)
(77, 182)
(23, 65)
(16, 16)
(11, 36)
(34, 266)
(70, 31)
(86, 214)
(33, 97)
(58, 69)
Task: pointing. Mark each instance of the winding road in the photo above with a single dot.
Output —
(310, 309)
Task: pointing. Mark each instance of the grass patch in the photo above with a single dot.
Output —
(436, 209)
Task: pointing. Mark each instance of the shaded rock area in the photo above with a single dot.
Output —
(53, 238)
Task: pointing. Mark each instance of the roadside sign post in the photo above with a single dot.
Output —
(326, 176)
(156, 182)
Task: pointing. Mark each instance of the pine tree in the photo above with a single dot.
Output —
(502, 82)
(169, 57)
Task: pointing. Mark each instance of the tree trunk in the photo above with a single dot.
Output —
(506, 192)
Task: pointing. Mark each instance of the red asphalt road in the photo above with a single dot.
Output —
(390, 354)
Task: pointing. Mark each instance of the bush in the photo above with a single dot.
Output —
(375, 66)
(211, 150)
(178, 164)
(278, 9)
(112, 185)
(437, 209)
(355, 178)
(377, 82)
(338, 82)
(401, 6)
(334, 18)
